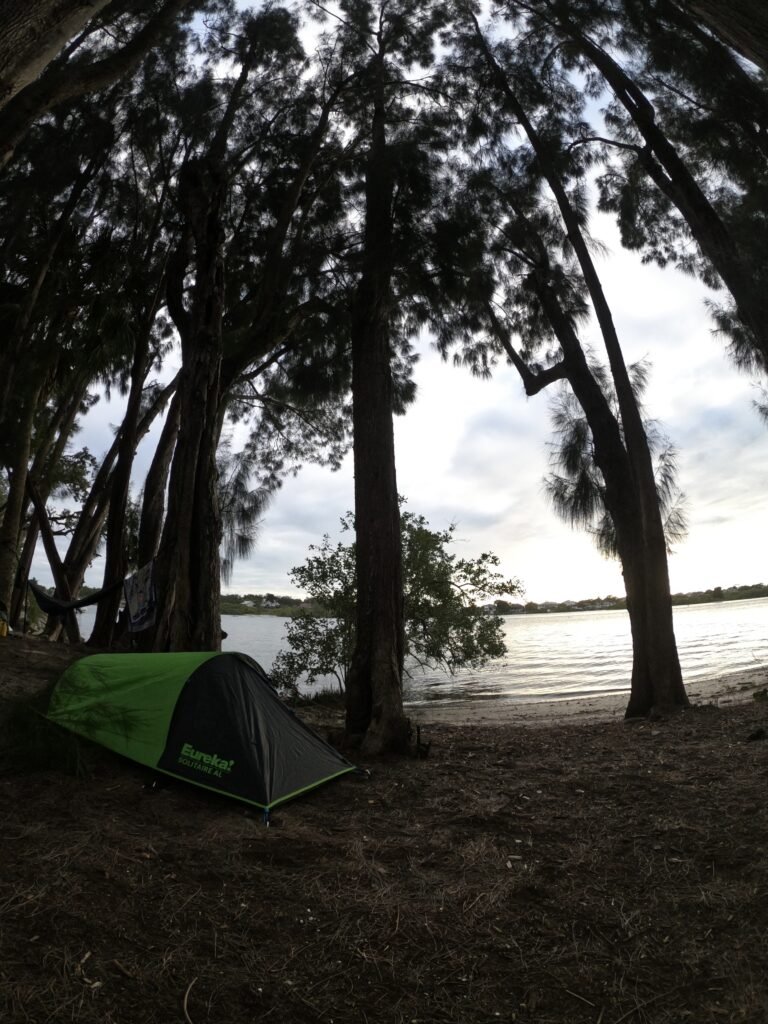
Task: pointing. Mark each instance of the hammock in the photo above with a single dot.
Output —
(54, 606)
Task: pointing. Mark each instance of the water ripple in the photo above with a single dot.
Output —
(583, 654)
(557, 656)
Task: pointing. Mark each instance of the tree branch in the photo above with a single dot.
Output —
(61, 83)
(607, 142)
(533, 383)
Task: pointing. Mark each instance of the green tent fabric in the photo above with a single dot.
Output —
(212, 719)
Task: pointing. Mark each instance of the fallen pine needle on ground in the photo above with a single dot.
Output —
(542, 871)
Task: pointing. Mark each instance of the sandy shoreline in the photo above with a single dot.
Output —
(723, 690)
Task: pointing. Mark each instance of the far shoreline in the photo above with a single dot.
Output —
(244, 604)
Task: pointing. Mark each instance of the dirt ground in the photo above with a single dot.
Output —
(589, 871)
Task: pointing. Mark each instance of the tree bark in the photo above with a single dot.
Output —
(63, 82)
(374, 700)
(34, 33)
(187, 567)
(116, 559)
(10, 528)
(153, 502)
(741, 24)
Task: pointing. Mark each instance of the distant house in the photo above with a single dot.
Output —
(247, 602)
(269, 602)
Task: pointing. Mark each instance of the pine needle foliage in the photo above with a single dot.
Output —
(576, 488)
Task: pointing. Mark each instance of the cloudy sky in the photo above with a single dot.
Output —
(474, 452)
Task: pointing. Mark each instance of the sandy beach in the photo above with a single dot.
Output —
(720, 691)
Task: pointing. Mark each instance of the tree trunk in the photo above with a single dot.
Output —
(741, 24)
(188, 569)
(670, 174)
(60, 83)
(17, 345)
(51, 443)
(153, 503)
(656, 679)
(10, 528)
(621, 453)
(21, 578)
(34, 33)
(116, 559)
(374, 702)
(657, 682)
(374, 685)
(54, 561)
(743, 86)
(85, 539)
(636, 515)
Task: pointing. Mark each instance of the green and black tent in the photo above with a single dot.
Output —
(212, 719)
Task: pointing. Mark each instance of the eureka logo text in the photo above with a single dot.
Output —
(211, 764)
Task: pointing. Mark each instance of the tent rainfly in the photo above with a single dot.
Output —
(209, 718)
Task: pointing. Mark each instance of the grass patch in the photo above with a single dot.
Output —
(333, 700)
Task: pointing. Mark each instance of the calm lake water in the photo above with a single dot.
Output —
(558, 656)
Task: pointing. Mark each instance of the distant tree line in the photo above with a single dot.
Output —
(253, 604)
(263, 604)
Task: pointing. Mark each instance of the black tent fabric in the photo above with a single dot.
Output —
(229, 704)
